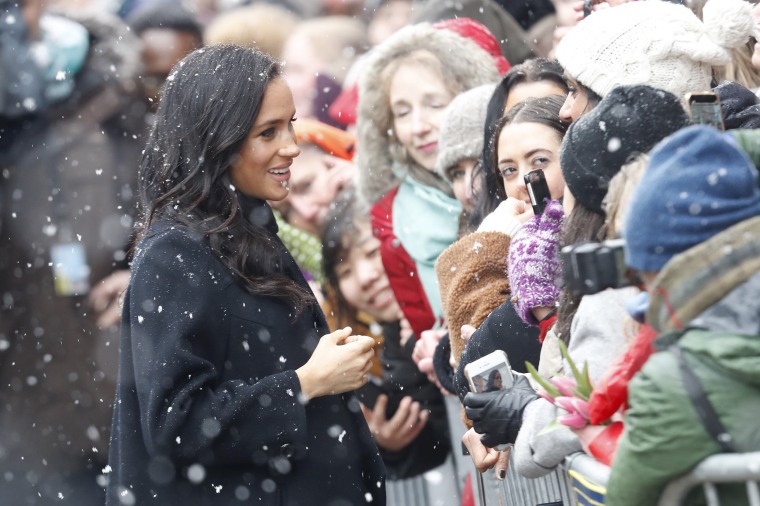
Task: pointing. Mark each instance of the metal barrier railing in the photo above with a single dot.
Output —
(588, 478)
(718, 469)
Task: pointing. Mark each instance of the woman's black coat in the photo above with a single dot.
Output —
(207, 408)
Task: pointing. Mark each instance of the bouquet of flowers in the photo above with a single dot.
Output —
(570, 394)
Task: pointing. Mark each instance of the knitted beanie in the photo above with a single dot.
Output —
(697, 184)
(657, 43)
(478, 32)
(462, 127)
(628, 121)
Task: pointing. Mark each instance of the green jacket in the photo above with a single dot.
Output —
(712, 290)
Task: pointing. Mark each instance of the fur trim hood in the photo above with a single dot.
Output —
(465, 64)
(114, 54)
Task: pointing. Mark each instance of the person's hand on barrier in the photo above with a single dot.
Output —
(500, 470)
(497, 416)
(535, 264)
(483, 457)
(404, 426)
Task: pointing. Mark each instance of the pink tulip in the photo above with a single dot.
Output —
(580, 406)
(565, 385)
(565, 403)
(542, 393)
(572, 420)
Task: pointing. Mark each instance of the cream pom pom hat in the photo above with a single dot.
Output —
(657, 43)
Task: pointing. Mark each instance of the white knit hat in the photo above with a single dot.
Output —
(654, 42)
(463, 127)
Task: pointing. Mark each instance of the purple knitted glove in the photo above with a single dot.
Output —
(535, 265)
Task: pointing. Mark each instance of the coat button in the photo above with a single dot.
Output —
(287, 450)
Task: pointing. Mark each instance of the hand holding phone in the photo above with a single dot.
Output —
(489, 373)
(538, 190)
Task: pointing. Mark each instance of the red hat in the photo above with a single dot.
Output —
(343, 108)
(477, 32)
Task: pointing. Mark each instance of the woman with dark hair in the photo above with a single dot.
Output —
(231, 386)
(537, 77)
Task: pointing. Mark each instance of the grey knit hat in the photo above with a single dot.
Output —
(463, 126)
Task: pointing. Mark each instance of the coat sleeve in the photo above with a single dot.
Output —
(179, 336)
(538, 454)
(663, 438)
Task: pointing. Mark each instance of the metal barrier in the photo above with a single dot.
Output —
(589, 477)
(718, 469)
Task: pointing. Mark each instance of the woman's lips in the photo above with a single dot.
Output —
(430, 147)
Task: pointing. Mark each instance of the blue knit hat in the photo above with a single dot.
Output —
(697, 184)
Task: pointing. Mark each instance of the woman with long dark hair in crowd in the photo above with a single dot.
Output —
(231, 386)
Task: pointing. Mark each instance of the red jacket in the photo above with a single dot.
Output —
(400, 268)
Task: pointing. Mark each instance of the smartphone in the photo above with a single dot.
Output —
(538, 190)
(490, 373)
(704, 108)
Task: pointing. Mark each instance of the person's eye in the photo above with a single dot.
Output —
(506, 171)
(343, 273)
(540, 162)
(268, 133)
(401, 112)
(455, 175)
(373, 252)
(571, 90)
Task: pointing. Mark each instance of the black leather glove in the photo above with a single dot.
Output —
(497, 416)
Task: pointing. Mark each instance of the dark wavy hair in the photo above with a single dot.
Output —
(486, 180)
(208, 106)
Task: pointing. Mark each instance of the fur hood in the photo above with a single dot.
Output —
(113, 59)
(465, 63)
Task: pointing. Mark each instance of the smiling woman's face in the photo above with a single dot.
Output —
(418, 99)
(362, 279)
(262, 168)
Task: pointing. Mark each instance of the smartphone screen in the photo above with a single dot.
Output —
(704, 108)
(538, 190)
(490, 373)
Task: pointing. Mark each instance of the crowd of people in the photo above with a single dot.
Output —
(249, 249)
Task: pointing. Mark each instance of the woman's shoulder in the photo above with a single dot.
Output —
(176, 248)
(166, 236)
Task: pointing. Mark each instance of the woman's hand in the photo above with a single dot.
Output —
(424, 349)
(535, 264)
(483, 457)
(404, 426)
(338, 364)
(497, 416)
(507, 217)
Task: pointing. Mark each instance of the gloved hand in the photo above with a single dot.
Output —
(535, 265)
(498, 415)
